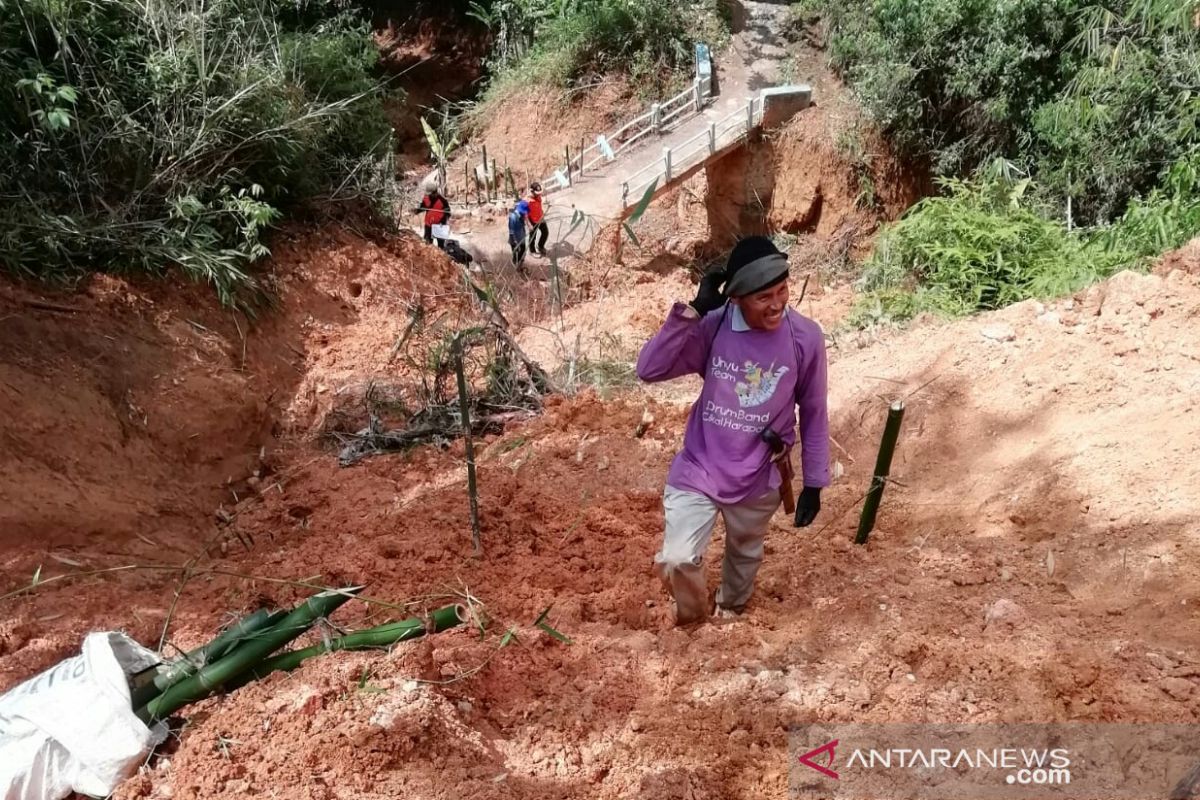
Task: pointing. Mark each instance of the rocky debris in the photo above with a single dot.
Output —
(998, 332)
(1003, 610)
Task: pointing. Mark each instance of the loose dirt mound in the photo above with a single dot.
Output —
(1185, 259)
(1033, 561)
(125, 414)
(135, 411)
(387, 303)
(528, 128)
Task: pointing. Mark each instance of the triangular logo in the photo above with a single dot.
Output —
(827, 749)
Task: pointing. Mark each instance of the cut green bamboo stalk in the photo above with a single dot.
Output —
(487, 192)
(883, 465)
(207, 654)
(465, 413)
(212, 677)
(227, 646)
(556, 304)
(370, 638)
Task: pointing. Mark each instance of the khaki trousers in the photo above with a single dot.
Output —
(690, 518)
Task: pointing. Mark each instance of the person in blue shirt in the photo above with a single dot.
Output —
(518, 220)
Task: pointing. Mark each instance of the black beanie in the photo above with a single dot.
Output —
(751, 249)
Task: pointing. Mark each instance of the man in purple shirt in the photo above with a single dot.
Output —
(760, 360)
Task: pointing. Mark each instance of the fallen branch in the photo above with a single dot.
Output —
(540, 378)
(44, 306)
(41, 305)
(373, 441)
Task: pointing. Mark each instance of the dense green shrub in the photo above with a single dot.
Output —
(1095, 100)
(1165, 219)
(978, 246)
(955, 81)
(563, 42)
(1100, 105)
(985, 243)
(142, 134)
(1132, 107)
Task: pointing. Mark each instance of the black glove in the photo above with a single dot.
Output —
(708, 295)
(807, 506)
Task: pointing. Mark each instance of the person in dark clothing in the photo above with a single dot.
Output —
(437, 212)
(537, 220)
(517, 219)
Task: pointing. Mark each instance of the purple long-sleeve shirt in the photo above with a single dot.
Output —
(752, 379)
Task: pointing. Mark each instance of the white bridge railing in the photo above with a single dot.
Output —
(659, 118)
(681, 157)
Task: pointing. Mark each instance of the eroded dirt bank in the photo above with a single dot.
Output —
(1034, 560)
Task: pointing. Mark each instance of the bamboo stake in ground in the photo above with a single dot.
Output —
(214, 676)
(555, 287)
(883, 465)
(487, 191)
(465, 412)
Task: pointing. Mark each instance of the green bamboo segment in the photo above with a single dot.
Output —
(206, 654)
(220, 649)
(883, 465)
(246, 655)
(380, 636)
(464, 408)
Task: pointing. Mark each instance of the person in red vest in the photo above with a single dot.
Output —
(538, 232)
(437, 212)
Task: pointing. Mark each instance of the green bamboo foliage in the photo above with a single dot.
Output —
(246, 655)
(442, 141)
(983, 244)
(146, 136)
